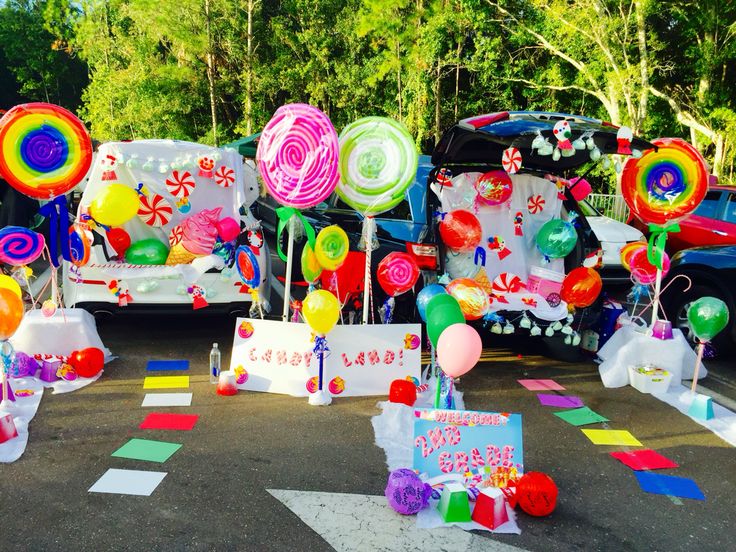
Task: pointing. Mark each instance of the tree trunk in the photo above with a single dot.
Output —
(249, 72)
(398, 81)
(457, 72)
(210, 57)
(438, 103)
(641, 32)
(718, 158)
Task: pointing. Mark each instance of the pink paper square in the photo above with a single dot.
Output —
(541, 385)
(644, 460)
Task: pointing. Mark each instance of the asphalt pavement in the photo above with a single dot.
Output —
(215, 494)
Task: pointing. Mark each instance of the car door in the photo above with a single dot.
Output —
(697, 229)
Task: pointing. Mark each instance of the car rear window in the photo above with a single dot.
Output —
(709, 206)
(730, 215)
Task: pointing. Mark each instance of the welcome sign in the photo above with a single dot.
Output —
(278, 357)
(462, 441)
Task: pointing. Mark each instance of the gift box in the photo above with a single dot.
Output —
(454, 505)
(49, 369)
(490, 508)
(649, 379)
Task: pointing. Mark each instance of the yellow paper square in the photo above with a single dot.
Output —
(611, 437)
(165, 382)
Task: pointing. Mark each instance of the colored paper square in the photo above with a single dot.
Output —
(128, 482)
(670, 485)
(541, 385)
(172, 422)
(560, 401)
(164, 365)
(145, 449)
(611, 437)
(581, 416)
(165, 382)
(644, 460)
(166, 399)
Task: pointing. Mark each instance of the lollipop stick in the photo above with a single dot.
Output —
(289, 262)
(698, 360)
(657, 289)
(368, 223)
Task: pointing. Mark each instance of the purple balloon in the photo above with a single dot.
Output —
(406, 493)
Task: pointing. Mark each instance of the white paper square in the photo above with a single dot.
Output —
(129, 482)
(167, 399)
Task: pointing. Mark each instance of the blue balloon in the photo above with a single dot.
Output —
(425, 295)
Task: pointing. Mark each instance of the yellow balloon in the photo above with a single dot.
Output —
(114, 205)
(331, 248)
(321, 310)
(8, 283)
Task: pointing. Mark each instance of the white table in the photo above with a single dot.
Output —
(630, 346)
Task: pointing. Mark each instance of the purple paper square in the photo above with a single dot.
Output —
(560, 401)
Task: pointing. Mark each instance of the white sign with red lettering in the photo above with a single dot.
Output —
(363, 360)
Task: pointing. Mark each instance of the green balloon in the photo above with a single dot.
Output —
(440, 300)
(440, 318)
(556, 238)
(707, 317)
(147, 252)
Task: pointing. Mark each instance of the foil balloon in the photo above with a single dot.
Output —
(20, 246)
(311, 269)
(114, 205)
(556, 238)
(494, 188)
(45, 150)
(667, 184)
(581, 287)
(460, 230)
(331, 247)
(397, 273)
(378, 162)
(297, 156)
(707, 316)
(643, 271)
(247, 265)
(472, 298)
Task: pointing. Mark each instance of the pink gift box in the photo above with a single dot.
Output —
(490, 508)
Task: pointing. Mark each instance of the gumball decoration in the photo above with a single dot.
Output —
(331, 247)
(11, 312)
(458, 349)
(460, 230)
(87, 362)
(472, 298)
(494, 188)
(536, 494)
(707, 316)
(425, 295)
(643, 271)
(667, 184)
(397, 273)
(556, 238)
(114, 205)
(581, 287)
(406, 493)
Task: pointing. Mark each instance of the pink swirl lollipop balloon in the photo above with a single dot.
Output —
(397, 273)
(298, 156)
(20, 246)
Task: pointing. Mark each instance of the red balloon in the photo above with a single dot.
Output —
(119, 240)
(87, 362)
(536, 494)
(581, 287)
(460, 230)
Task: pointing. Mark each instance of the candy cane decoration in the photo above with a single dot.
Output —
(180, 184)
(224, 176)
(155, 211)
(511, 160)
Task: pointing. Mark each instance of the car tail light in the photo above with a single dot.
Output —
(425, 254)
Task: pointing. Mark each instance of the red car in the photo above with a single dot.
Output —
(712, 223)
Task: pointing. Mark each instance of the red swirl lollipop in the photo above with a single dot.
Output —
(397, 273)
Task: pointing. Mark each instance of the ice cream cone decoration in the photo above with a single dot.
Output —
(179, 254)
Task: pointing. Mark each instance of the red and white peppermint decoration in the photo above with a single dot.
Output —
(180, 184)
(444, 178)
(224, 176)
(506, 282)
(155, 210)
(511, 160)
(535, 204)
(176, 235)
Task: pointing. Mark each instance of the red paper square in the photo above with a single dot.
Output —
(644, 460)
(174, 422)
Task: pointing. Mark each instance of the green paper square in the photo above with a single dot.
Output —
(581, 416)
(145, 449)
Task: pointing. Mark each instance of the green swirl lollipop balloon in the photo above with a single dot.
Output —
(378, 162)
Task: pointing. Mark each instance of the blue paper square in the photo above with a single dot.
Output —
(671, 485)
(164, 365)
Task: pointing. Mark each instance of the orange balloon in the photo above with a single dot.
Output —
(11, 313)
(581, 287)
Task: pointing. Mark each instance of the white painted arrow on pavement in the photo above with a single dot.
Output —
(354, 522)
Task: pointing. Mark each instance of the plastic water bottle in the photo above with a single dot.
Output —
(214, 364)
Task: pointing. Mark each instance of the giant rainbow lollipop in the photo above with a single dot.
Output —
(666, 184)
(297, 156)
(45, 150)
(378, 162)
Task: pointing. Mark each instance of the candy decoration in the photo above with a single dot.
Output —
(180, 184)
(506, 282)
(460, 230)
(397, 273)
(667, 184)
(444, 178)
(642, 270)
(155, 210)
(628, 250)
(298, 156)
(80, 245)
(247, 265)
(44, 150)
(473, 300)
(378, 162)
(563, 133)
(511, 160)
(108, 164)
(206, 165)
(406, 493)
(20, 246)
(224, 176)
(535, 204)
(331, 247)
(624, 136)
(494, 188)
(336, 385)
(176, 235)
(518, 224)
(497, 244)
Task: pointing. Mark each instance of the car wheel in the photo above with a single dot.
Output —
(678, 314)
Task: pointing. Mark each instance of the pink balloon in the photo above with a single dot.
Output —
(458, 349)
(228, 229)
